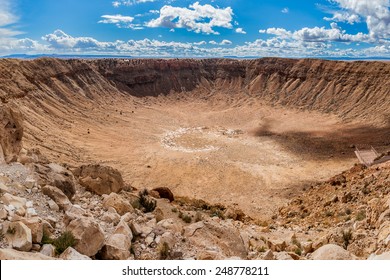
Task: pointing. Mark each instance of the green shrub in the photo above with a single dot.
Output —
(215, 212)
(298, 251)
(11, 230)
(147, 203)
(329, 213)
(295, 241)
(262, 249)
(361, 215)
(65, 240)
(347, 237)
(186, 218)
(198, 217)
(46, 238)
(164, 251)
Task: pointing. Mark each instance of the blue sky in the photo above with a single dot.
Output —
(197, 28)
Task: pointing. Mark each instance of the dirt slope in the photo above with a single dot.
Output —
(350, 89)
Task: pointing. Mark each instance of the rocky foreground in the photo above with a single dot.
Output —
(51, 211)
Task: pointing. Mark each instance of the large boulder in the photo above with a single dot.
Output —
(11, 133)
(55, 175)
(10, 254)
(36, 225)
(118, 203)
(223, 237)
(165, 192)
(19, 236)
(332, 252)
(117, 247)
(99, 179)
(88, 234)
(57, 196)
(15, 202)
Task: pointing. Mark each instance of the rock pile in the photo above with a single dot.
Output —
(54, 213)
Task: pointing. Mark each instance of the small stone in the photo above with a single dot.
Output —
(29, 204)
(52, 221)
(3, 214)
(53, 206)
(72, 254)
(307, 247)
(268, 255)
(30, 183)
(36, 247)
(283, 256)
(4, 188)
(30, 212)
(20, 211)
(149, 239)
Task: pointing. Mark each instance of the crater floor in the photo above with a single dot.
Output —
(243, 154)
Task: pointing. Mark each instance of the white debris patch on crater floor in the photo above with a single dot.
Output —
(196, 139)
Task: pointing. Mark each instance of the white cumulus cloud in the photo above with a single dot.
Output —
(61, 42)
(7, 19)
(116, 19)
(119, 3)
(376, 14)
(240, 30)
(318, 34)
(198, 18)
